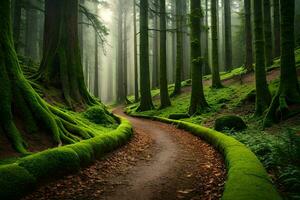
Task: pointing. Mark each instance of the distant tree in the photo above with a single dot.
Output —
(276, 27)
(17, 13)
(263, 96)
(289, 92)
(146, 100)
(155, 57)
(125, 54)
(207, 69)
(96, 71)
(198, 102)
(268, 33)
(136, 82)
(31, 32)
(164, 94)
(248, 36)
(61, 65)
(216, 81)
(228, 35)
(179, 48)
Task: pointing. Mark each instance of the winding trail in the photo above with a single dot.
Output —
(160, 162)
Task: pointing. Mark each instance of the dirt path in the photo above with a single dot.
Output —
(160, 162)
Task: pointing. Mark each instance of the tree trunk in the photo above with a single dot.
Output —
(216, 81)
(268, 33)
(31, 41)
(198, 102)
(96, 72)
(19, 101)
(179, 50)
(136, 82)
(164, 94)
(289, 91)
(125, 57)
(228, 37)
(120, 70)
(206, 54)
(263, 96)
(155, 70)
(61, 65)
(276, 27)
(248, 36)
(146, 100)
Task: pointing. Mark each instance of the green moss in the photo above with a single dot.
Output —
(15, 181)
(84, 151)
(51, 163)
(99, 115)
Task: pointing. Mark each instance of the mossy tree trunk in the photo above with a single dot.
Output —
(164, 94)
(288, 93)
(146, 100)
(276, 27)
(228, 35)
(263, 96)
(19, 101)
(61, 65)
(136, 82)
(268, 33)
(179, 48)
(248, 36)
(198, 102)
(216, 81)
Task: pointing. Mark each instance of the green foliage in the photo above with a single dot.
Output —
(15, 181)
(279, 154)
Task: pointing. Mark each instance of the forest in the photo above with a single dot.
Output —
(150, 99)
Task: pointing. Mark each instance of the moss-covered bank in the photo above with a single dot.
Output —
(27, 172)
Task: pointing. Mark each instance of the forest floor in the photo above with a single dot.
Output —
(160, 162)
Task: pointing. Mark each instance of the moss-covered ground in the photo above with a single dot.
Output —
(277, 147)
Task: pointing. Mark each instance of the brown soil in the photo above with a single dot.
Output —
(160, 162)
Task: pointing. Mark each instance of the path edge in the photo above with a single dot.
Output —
(22, 177)
(246, 179)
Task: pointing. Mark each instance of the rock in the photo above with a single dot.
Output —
(230, 122)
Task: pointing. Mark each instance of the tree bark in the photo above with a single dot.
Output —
(216, 81)
(276, 27)
(125, 56)
(146, 100)
(263, 96)
(198, 102)
(61, 65)
(228, 36)
(268, 33)
(248, 36)
(164, 94)
(289, 91)
(17, 23)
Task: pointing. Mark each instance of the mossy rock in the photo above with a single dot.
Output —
(230, 122)
(15, 181)
(51, 163)
(177, 116)
(99, 115)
